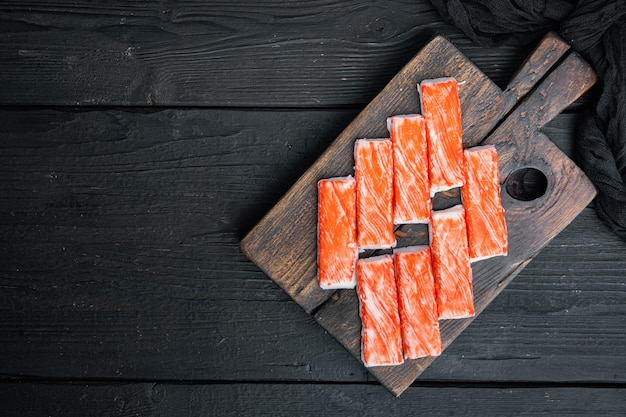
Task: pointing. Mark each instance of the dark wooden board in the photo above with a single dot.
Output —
(283, 244)
(240, 400)
(147, 278)
(237, 53)
(234, 326)
(122, 287)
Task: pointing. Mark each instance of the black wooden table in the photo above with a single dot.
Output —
(140, 141)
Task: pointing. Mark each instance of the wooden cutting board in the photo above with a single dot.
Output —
(283, 244)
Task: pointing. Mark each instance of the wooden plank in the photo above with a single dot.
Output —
(71, 162)
(289, 228)
(551, 324)
(153, 274)
(239, 53)
(548, 52)
(163, 399)
(120, 234)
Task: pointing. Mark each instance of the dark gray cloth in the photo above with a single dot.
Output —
(597, 30)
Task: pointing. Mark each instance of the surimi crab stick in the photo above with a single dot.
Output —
(411, 201)
(442, 110)
(381, 338)
(451, 263)
(336, 233)
(373, 161)
(484, 215)
(417, 304)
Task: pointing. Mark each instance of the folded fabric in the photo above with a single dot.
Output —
(597, 30)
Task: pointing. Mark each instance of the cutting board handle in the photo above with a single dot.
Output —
(550, 51)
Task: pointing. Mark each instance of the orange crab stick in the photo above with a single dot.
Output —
(419, 319)
(484, 215)
(451, 263)
(410, 169)
(442, 110)
(373, 161)
(336, 250)
(381, 338)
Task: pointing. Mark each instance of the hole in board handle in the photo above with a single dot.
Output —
(526, 184)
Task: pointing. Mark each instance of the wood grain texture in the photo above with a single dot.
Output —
(122, 230)
(155, 399)
(108, 268)
(543, 58)
(142, 53)
(122, 287)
